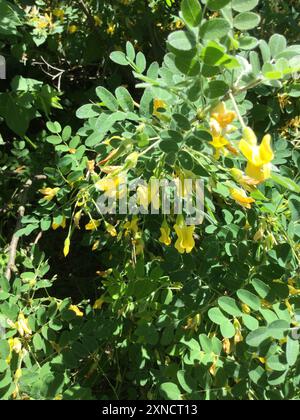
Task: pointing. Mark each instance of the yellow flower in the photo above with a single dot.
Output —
(222, 115)
(132, 227)
(77, 218)
(227, 345)
(72, 29)
(259, 157)
(99, 303)
(220, 142)
(14, 345)
(245, 181)
(22, 326)
(112, 187)
(111, 229)
(185, 241)
(97, 20)
(76, 310)
(165, 234)
(67, 247)
(93, 224)
(241, 198)
(49, 193)
(62, 224)
(246, 309)
(59, 13)
(143, 195)
(44, 22)
(95, 246)
(111, 28)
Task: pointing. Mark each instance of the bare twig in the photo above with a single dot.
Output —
(87, 12)
(38, 238)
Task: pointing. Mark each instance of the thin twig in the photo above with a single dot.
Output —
(87, 12)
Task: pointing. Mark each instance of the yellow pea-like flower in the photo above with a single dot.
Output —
(72, 29)
(259, 157)
(222, 115)
(92, 225)
(241, 198)
(99, 303)
(185, 241)
(111, 229)
(62, 224)
(49, 193)
(132, 227)
(165, 234)
(76, 310)
(67, 247)
(22, 326)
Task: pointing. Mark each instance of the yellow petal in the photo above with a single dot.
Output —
(241, 198)
(249, 136)
(92, 225)
(111, 229)
(266, 151)
(259, 173)
(67, 247)
(76, 310)
(165, 234)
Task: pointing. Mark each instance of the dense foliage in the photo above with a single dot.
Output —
(143, 306)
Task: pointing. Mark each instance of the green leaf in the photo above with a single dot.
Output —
(130, 51)
(292, 351)
(119, 57)
(67, 132)
(216, 89)
(217, 4)
(229, 306)
(172, 136)
(191, 12)
(186, 161)
(246, 21)
(255, 338)
(188, 64)
(54, 127)
(181, 41)
(125, 99)
(141, 62)
(261, 288)
(278, 329)
(170, 391)
(107, 98)
(244, 5)
(249, 299)
(248, 43)
(250, 322)
(277, 44)
(88, 111)
(54, 140)
(186, 381)
(227, 329)
(286, 182)
(213, 54)
(214, 29)
(38, 342)
(216, 316)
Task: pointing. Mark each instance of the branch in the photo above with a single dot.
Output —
(88, 14)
